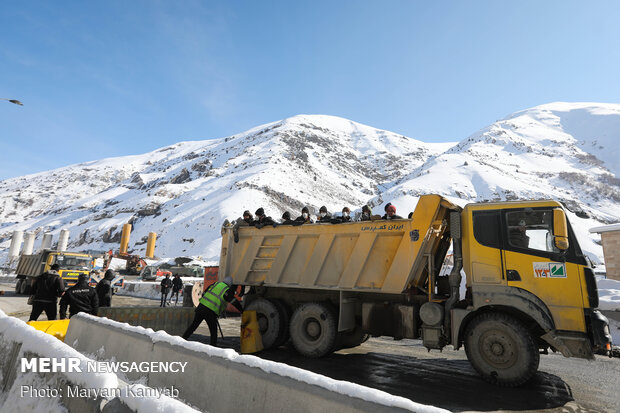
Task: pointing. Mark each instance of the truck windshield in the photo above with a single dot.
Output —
(74, 263)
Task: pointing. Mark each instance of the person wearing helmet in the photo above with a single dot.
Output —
(390, 212)
(104, 289)
(212, 304)
(304, 218)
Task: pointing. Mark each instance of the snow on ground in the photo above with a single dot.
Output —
(45, 345)
(281, 369)
(608, 293)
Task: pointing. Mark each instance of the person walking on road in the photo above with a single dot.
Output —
(166, 285)
(104, 289)
(213, 303)
(46, 289)
(79, 298)
(177, 286)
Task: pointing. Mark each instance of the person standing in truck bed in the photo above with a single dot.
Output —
(390, 213)
(46, 289)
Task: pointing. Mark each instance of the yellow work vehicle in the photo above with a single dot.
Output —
(528, 285)
(72, 264)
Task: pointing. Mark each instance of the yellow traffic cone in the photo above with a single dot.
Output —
(251, 341)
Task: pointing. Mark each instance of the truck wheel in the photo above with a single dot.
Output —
(501, 349)
(18, 286)
(23, 286)
(350, 339)
(270, 321)
(285, 316)
(314, 329)
(26, 286)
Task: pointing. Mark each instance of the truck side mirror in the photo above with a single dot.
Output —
(560, 231)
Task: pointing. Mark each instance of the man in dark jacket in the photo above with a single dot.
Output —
(390, 213)
(366, 213)
(346, 214)
(80, 298)
(177, 286)
(46, 289)
(104, 289)
(262, 219)
(248, 218)
(304, 218)
(324, 216)
(213, 303)
(166, 285)
(286, 219)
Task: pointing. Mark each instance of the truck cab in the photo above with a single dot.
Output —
(523, 259)
(72, 264)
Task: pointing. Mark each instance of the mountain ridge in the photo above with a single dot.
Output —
(185, 190)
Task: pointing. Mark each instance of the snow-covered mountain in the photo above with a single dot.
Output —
(184, 191)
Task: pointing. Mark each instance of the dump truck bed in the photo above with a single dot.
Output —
(383, 256)
(31, 265)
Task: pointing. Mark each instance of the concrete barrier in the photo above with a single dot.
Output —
(18, 340)
(221, 380)
(173, 320)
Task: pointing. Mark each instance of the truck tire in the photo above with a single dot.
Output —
(271, 323)
(314, 329)
(501, 349)
(24, 288)
(350, 339)
(285, 317)
(18, 286)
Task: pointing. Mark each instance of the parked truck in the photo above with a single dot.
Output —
(72, 264)
(528, 285)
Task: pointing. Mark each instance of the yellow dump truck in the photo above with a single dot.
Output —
(326, 286)
(72, 264)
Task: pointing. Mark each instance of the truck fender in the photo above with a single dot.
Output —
(512, 300)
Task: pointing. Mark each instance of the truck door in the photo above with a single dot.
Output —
(532, 262)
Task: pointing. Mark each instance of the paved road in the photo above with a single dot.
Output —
(445, 379)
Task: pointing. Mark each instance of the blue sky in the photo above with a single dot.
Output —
(114, 78)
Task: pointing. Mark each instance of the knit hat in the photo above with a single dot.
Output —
(366, 208)
(305, 209)
(260, 212)
(387, 206)
(391, 208)
(286, 215)
(246, 212)
(323, 209)
(346, 209)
